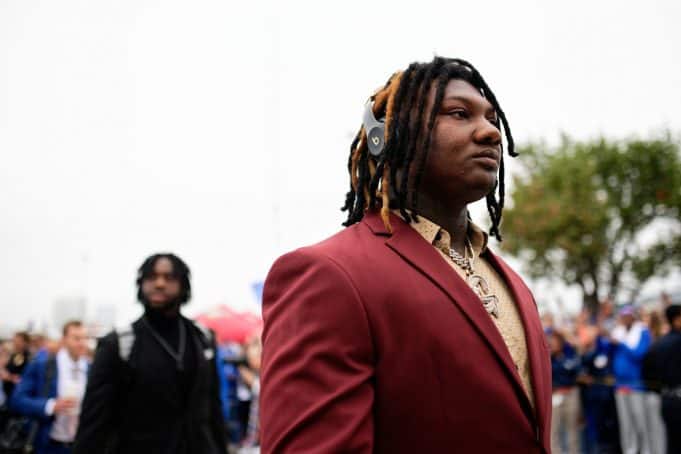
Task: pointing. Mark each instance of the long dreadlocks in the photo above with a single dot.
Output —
(401, 103)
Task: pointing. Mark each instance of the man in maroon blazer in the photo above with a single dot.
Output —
(404, 333)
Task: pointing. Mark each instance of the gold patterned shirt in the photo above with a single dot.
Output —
(508, 322)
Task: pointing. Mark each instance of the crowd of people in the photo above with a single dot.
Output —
(159, 385)
(616, 379)
(615, 375)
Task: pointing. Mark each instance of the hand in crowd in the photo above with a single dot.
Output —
(6, 376)
(247, 375)
(585, 379)
(64, 405)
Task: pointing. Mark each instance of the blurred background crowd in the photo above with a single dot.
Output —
(238, 370)
(606, 386)
(121, 136)
(607, 382)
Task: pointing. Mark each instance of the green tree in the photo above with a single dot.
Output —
(603, 215)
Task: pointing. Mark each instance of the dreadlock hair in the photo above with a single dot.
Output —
(408, 132)
(180, 271)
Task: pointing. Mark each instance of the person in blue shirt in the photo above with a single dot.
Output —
(230, 357)
(565, 366)
(598, 397)
(631, 340)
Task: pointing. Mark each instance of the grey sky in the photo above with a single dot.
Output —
(220, 130)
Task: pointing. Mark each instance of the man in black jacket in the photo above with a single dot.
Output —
(662, 369)
(153, 386)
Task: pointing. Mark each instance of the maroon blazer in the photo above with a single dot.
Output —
(372, 343)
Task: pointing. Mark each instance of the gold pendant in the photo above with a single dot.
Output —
(481, 288)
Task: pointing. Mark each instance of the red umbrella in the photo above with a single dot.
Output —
(230, 325)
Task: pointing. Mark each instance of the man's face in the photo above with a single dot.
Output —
(162, 287)
(465, 152)
(627, 320)
(18, 344)
(75, 341)
(676, 323)
(556, 344)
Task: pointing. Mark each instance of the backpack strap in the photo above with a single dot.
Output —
(207, 340)
(126, 339)
(206, 332)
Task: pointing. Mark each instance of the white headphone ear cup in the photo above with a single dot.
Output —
(376, 140)
(374, 130)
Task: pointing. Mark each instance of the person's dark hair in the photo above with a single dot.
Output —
(672, 312)
(180, 271)
(559, 336)
(70, 324)
(401, 103)
(24, 336)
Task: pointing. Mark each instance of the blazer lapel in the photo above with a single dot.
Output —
(534, 333)
(411, 246)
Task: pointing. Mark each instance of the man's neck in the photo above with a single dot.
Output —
(166, 313)
(72, 356)
(453, 219)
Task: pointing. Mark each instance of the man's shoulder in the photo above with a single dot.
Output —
(345, 238)
(205, 332)
(119, 341)
(40, 362)
(671, 340)
(353, 243)
(120, 330)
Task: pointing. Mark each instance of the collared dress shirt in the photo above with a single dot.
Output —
(71, 382)
(508, 322)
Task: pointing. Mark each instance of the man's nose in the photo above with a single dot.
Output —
(487, 133)
(159, 281)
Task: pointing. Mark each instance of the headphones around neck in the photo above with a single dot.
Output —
(375, 131)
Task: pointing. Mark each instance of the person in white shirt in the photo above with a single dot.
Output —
(51, 391)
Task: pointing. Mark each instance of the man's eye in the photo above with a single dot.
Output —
(459, 113)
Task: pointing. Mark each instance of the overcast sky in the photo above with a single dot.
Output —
(220, 130)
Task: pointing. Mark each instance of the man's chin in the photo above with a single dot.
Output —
(161, 305)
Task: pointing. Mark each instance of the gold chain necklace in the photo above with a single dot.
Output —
(476, 282)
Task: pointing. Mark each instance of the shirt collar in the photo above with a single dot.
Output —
(64, 358)
(440, 238)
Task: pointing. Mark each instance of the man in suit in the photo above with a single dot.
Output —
(153, 386)
(404, 332)
(51, 390)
